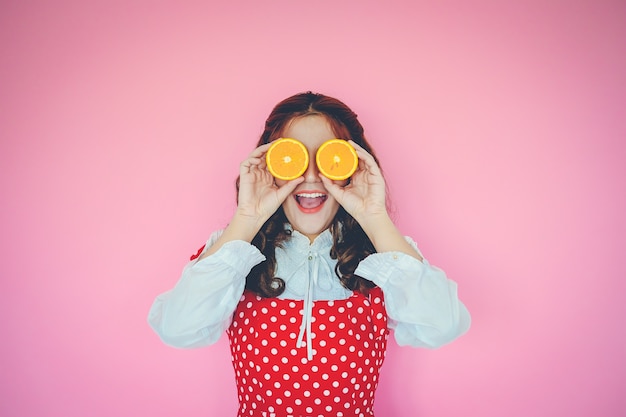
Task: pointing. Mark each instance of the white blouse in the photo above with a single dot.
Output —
(422, 304)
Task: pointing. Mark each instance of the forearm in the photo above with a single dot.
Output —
(198, 309)
(386, 237)
(241, 227)
(422, 303)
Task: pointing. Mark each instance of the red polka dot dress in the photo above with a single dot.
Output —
(332, 372)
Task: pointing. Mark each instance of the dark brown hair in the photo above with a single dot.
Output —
(350, 243)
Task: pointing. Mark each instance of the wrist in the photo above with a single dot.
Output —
(244, 226)
(374, 223)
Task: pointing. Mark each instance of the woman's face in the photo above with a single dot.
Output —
(310, 209)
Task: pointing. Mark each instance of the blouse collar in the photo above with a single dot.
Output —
(300, 242)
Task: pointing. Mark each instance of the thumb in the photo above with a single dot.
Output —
(334, 190)
(287, 188)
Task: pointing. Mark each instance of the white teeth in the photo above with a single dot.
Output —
(310, 195)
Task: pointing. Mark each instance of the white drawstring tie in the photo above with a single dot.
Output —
(307, 312)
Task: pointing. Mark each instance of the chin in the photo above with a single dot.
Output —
(310, 224)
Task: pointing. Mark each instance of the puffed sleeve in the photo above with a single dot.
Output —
(199, 308)
(422, 303)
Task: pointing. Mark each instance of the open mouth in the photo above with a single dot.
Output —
(310, 201)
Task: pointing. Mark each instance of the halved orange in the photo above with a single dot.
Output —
(337, 159)
(287, 159)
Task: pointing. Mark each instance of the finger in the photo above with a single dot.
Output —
(332, 188)
(286, 189)
(366, 158)
(249, 164)
(260, 151)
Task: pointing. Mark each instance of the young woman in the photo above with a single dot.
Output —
(308, 277)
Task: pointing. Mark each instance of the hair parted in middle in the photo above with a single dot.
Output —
(350, 243)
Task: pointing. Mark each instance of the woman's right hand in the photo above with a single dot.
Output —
(259, 196)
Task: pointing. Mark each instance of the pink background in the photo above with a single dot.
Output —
(501, 128)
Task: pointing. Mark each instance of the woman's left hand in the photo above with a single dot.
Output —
(365, 195)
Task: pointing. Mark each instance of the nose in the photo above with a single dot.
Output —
(312, 173)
